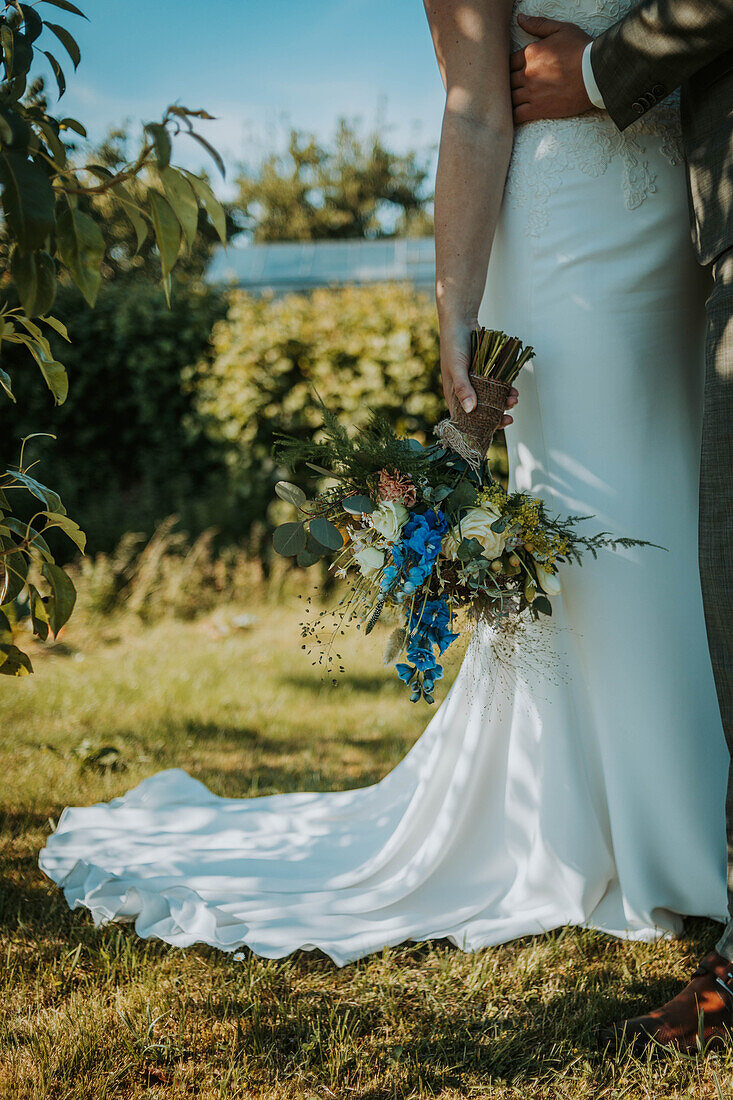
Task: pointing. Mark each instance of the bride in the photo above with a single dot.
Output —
(593, 796)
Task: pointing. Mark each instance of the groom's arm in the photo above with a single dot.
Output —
(652, 50)
(627, 69)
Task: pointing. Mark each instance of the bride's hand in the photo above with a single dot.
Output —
(455, 343)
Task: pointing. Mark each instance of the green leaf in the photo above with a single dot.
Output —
(81, 248)
(463, 496)
(293, 494)
(167, 231)
(307, 557)
(28, 200)
(37, 543)
(325, 533)
(289, 539)
(39, 614)
(32, 22)
(356, 505)
(65, 5)
(500, 525)
(13, 571)
(67, 41)
(58, 72)
(541, 603)
(6, 384)
(73, 124)
(13, 662)
(56, 378)
(133, 212)
(53, 141)
(63, 596)
(215, 156)
(7, 37)
(51, 499)
(469, 549)
(69, 527)
(210, 203)
(183, 200)
(161, 142)
(6, 631)
(58, 326)
(34, 274)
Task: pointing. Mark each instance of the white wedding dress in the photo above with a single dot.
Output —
(583, 787)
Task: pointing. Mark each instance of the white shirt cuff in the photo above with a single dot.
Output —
(594, 93)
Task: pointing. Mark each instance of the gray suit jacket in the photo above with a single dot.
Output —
(658, 46)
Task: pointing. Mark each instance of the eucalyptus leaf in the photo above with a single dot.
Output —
(161, 142)
(357, 505)
(81, 248)
(469, 549)
(306, 558)
(289, 539)
(61, 602)
(39, 614)
(13, 662)
(326, 533)
(28, 199)
(65, 5)
(167, 231)
(34, 274)
(51, 499)
(5, 382)
(215, 156)
(463, 496)
(293, 494)
(58, 72)
(71, 529)
(181, 196)
(210, 203)
(541, 603)
(67, 41)
(6, 631)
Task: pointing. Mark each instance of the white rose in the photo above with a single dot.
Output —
(548, 582)
(370, 560)
(389, 519)
(476, 524)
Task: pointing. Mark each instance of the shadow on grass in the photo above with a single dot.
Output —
(355, 683)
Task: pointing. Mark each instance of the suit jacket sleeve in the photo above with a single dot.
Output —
(655, 48)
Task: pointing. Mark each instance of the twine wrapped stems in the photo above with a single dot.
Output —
(496, 360)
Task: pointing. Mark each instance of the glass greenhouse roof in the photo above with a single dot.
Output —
(300, 265)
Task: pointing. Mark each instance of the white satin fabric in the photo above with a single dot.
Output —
(584, 785)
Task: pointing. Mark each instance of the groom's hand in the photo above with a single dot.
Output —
(547, 75)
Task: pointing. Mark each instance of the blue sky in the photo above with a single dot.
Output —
(259, 66)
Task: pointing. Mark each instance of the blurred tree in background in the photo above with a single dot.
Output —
(356, 187)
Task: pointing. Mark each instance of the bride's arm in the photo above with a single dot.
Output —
(471, 39)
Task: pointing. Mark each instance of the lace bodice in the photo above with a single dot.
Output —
(545, 150)
(593, 16)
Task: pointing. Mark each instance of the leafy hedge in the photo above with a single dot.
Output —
(357, 348)
(129, 450)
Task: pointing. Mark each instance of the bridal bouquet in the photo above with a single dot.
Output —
(424, 530)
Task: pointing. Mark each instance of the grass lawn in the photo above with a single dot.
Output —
(96, 1013)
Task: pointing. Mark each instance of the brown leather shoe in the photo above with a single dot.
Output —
(699, 1017)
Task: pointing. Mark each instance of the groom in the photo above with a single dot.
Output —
(658, 46)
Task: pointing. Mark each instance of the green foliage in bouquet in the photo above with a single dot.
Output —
(419, 528)
(52, 233)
